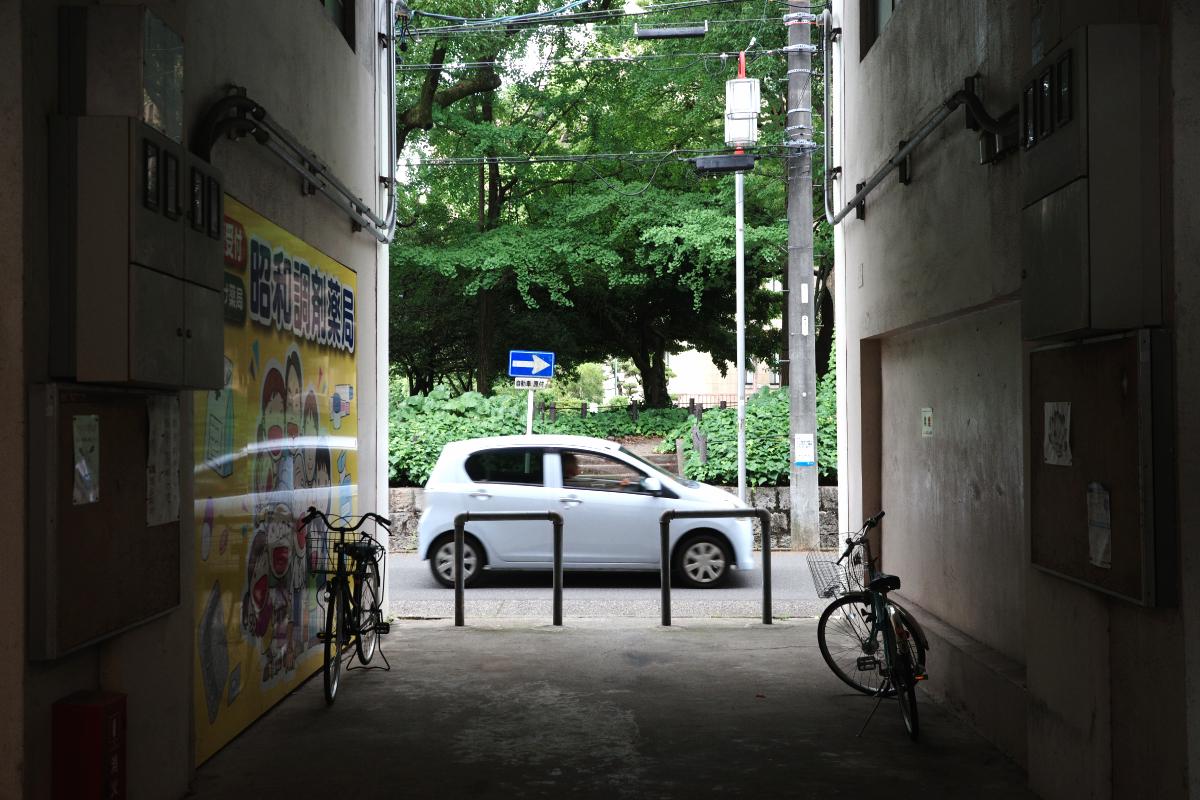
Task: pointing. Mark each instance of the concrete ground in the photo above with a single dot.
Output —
(616, 708)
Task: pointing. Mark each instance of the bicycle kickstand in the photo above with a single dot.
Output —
(882, 693)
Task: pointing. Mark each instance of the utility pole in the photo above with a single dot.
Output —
(801, 317)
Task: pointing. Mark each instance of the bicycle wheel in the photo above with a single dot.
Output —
(367, 598)
(844, 635)
(334, 634)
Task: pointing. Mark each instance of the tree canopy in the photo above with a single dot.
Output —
(629, 256)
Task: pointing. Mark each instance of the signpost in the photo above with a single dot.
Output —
(530, 370)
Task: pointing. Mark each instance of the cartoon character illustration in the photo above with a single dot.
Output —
(276, 573)
(294, 399)
(270, 433)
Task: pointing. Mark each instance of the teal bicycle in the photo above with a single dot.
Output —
(869, 641)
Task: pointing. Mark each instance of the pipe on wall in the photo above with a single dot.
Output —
(237, 115)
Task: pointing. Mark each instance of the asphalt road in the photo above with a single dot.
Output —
(413, 594)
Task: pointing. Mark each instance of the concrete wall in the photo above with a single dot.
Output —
(929, 317)
(12, 424)
(293, 60)
(1185, 223)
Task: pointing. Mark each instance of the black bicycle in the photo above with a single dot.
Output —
(869, 641)
(349, 557)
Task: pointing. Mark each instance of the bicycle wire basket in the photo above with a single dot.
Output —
(832, 579)
(321, 547)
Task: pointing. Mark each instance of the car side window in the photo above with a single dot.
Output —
(515, 465)
(582, 470)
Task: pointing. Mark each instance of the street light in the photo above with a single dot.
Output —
(742, 102)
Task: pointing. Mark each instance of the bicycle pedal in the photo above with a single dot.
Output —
(383, 627)
(866, 664)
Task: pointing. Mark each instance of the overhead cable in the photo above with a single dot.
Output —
(520, 63)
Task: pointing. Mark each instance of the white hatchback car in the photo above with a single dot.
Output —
(611, 502)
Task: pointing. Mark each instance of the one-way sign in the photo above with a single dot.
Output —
(530, 364)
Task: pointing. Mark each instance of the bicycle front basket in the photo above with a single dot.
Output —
(829, 577)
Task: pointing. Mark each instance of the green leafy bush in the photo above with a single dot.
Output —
(768, 449)
(419, 426)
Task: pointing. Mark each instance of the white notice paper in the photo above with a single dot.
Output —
(806, 450)
(1099, 526)
(1056, 442)
(162, 461)
(86, 429)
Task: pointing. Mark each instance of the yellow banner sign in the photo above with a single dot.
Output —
(280, 436)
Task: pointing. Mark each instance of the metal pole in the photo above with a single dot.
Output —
(739, 207)
(460, 582)
(529, 414)
(765, 518)
(558, 569)
(801, 345)
(664, 528)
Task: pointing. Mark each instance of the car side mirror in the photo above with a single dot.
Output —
(652, 485)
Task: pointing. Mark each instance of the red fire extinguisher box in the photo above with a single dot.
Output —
(89, 747)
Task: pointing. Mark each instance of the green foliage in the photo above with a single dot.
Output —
(827, 421)
(420, 425)
(768, 449)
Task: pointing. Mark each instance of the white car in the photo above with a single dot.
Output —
(611, 511)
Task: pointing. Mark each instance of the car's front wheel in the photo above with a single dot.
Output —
(703, 561)
(441, 560)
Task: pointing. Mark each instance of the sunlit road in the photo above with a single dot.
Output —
(413, 593)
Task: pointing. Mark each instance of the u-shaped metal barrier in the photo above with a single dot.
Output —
(460, 536)
(764, 517)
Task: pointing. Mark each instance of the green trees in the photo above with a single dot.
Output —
(628, 257)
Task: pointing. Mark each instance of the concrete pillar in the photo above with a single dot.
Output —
(12, 422)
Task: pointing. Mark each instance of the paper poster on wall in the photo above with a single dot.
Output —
(279, 436)
(86, 434)
(1099, 516)
(162, 461)
(806, 450)
(1056, 443)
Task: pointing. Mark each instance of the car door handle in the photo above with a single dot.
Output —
(570, 502)
(480, 495)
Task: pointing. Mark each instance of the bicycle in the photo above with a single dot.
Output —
(869, 641)
(353, 610)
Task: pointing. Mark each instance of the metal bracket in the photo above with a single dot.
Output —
(860, 210)
(973, 85)
(905, 168)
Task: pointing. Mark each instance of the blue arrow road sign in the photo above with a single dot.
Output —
(530, 364)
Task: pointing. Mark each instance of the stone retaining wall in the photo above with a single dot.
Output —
(405, 506)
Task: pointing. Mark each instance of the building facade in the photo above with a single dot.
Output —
(1017, 334)
(195, 224)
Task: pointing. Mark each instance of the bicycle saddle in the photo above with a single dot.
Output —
(884, 583)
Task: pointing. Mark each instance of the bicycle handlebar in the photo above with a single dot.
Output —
(852, 541)
(315, 513)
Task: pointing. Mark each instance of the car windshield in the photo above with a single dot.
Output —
(688, 483)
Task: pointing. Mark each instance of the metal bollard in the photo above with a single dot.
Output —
(460, 523)
(735, 513)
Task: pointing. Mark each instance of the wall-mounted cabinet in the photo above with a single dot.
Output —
(144, 258)
(1090, 185)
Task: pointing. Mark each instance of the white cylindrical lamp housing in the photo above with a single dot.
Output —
(742, 103)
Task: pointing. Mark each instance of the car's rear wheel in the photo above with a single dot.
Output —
(703, 561)
(441, 560)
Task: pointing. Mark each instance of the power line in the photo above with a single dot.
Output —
(447, 31)
(581, 18)
(632, 157)
(544, 62)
